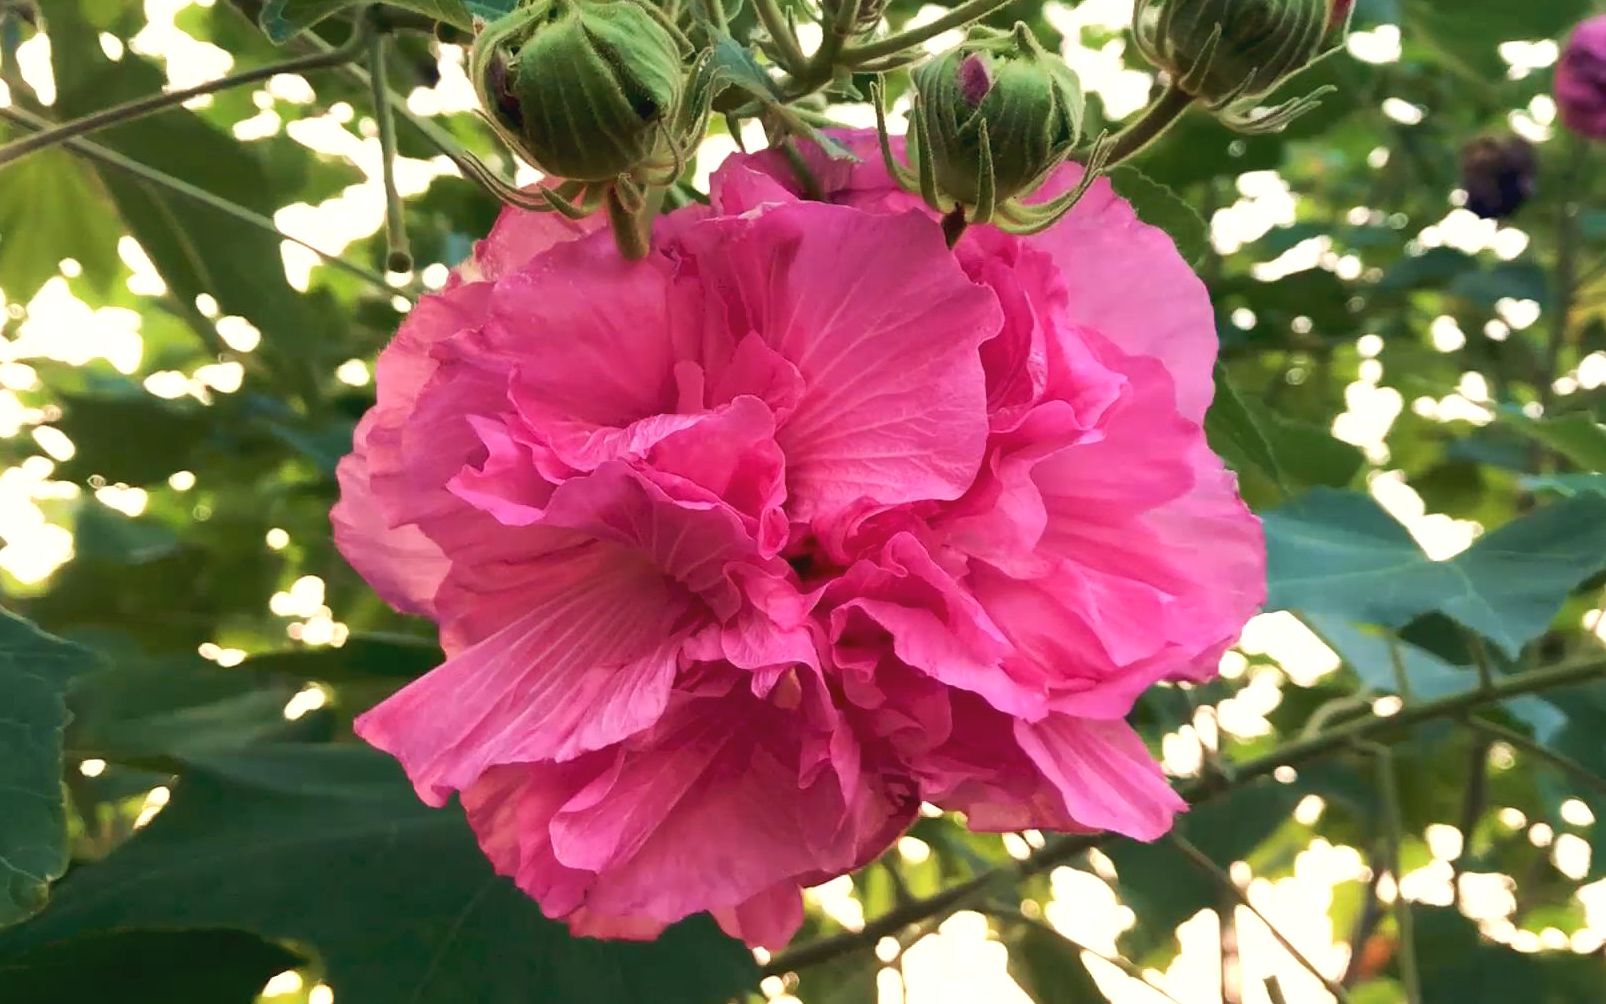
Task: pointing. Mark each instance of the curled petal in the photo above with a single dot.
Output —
(894, 398)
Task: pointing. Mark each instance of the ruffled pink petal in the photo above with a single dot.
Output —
(886, 344)
(1079, 635)
(594, 335)
(691, 542)
(768, 919)
(518, 236)
(403, 565)
(1125, 280)
(589, 663)
(1211, 535)
(1104, 774)
(667, 825)
(976, 766)
(933, 624)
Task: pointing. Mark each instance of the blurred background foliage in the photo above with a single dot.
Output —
(1411, 394)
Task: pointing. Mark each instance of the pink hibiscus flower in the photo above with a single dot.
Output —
(741, 552)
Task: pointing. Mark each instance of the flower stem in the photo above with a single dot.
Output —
(954, 225)
(965, 13)
(1474, 800)
(1156, 119)
(398, 256)
(141, 107)
(1566, 277)
(629, 233)
(788, 53)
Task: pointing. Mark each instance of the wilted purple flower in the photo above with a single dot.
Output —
(1499, 173)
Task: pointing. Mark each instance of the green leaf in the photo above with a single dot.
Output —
(283, 19)
(362, 657)
(147, 967)
(1473, 35)
(1160, 207)
(1307, 454)
(166, 709)
(1432, 269)
(1274, 455)
(1565, 484)
(1578, 437)
(34, 672)
(1458, 966)
(849, 979)
(133, 438)
(732, 65)
(1332, 552)
(1049, 968)
(1235, 434)
(1164, 888)
(1372, 657)
(328, 846)
(243, 272)
(48, 211)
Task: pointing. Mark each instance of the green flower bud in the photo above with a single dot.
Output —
(1025, 101)
(584, 89)
(1226, 51)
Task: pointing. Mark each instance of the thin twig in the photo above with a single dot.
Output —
(111, 158)
(1480, 659)
(965, 13)
(1583, 775)
(150, 104)
(1473, 802)
(1202, 860)
(1394, 835)
(1291, 754)
(1566, 277)
(1365, 924)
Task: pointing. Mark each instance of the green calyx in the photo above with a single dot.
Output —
(991, 120)
(587, 90)
(1228, 53)
(1000, 91)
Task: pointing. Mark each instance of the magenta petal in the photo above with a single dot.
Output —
(518, 236)
(588, 664)
(1125, 279)
(593, 335)
(402, 564)
(768, 919)
(1104, 774)
(894, 405)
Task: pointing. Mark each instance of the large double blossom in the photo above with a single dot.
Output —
(741, 552)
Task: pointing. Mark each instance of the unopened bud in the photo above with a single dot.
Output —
(1026, 102)
(582, 88)
(1227, 51)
